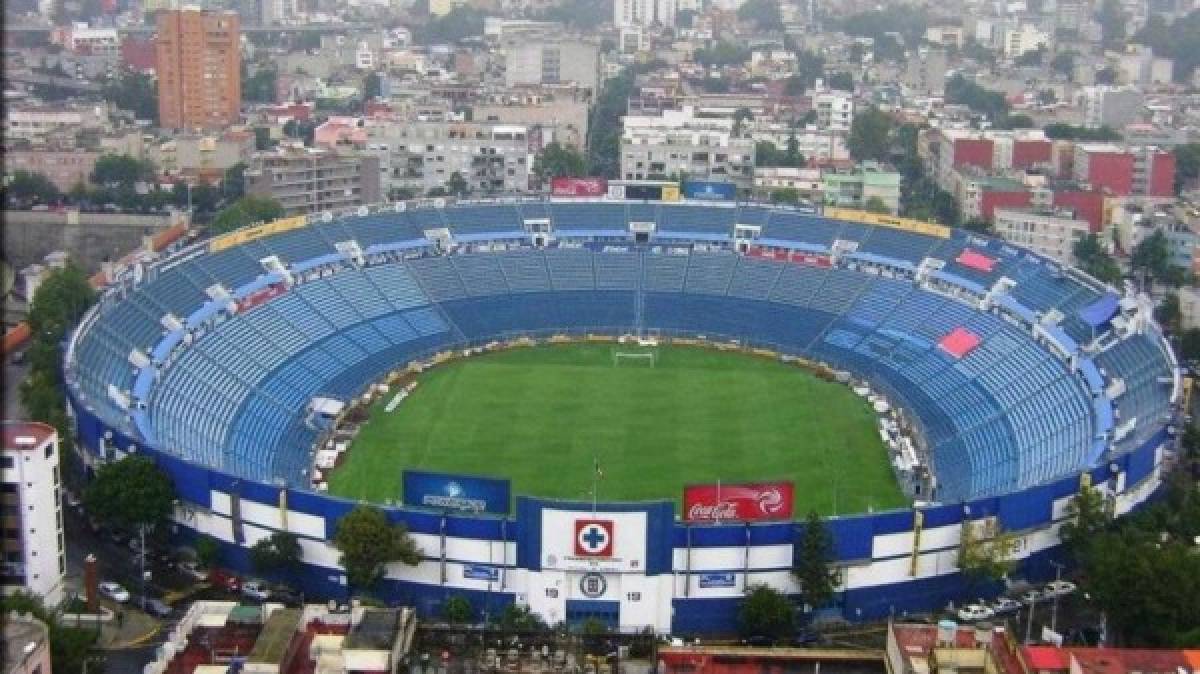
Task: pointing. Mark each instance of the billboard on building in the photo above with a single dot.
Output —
(456, 492)
(707, 190)
(745, 502)
(578, 187)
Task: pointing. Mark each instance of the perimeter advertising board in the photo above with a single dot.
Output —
(578, 187)
(745, 502)
(463, 493)
(707, 190)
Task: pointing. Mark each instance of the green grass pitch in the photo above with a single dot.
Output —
(539, 415)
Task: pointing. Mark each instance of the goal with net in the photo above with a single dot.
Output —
(637, 357)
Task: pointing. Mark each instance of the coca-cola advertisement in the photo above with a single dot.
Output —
(578, 187)
(745, 502)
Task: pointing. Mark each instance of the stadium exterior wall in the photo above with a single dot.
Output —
(668, 575)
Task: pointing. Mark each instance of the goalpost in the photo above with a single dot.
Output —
(650, 357)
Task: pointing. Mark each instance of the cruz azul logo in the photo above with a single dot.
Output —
(593, 538)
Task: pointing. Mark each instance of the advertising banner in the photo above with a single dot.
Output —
(578, 187)
(746, 502)
(261, 297)
(706, 190)
(717, 580)
(456, 492)
(481, 572)
(647, 192)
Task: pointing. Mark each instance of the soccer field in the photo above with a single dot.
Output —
(539, 415)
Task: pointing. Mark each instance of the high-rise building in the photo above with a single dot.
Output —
(199, 68)
(311, 180)
(32, 556)
(645, 13)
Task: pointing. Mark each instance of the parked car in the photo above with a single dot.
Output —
(156, 607)
(114, 592)
(1030, 597)
(225, 580)
(256, 590)
(194, 570)
(1005, 605)
(973, 612)
(1059, 588)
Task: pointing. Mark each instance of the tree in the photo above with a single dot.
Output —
(840, 80)
(1112, 23)
(134, 92)
(1064, 63)
(1033, 57)
(962, 91)
(233, 183)
(876, 205)
(785, 195)
(1187, 165)
(559, 161)
(249, 209)
(121, 170)
(208, 551)
(278, 553)
(130, 493)
(27, 186)
(1087, 514)
(1060, 131)
(372, 86)
(457, 185)
(368, 542)
(459, 23)
(1152, 256)
(766, 154)
(1189, 344)
(456, 610)
(978, 225)
(723, 53)
(986, 558)
(261, 87)
(70, 647)
(870, 134)
(1179, 41)
(740, 117)
(762, 13)
(814, 562)
(1093, 259)
(1015, 122)
(765, 612)
(516, 618)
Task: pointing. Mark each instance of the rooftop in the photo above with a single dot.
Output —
(25, 434)
(19, 632)
(376, 631)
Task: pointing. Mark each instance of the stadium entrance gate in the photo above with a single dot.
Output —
(580, 611)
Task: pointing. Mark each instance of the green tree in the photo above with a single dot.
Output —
(456, 25)
(456, 610)
(723, 53)
(1179, 41)
(278, 553)
(27, 186)
(1060, 131)
(70, 647)
(208, 551)
(765, 612)
(1187, 165)
(134, 92)
(1033, 57)
(130, 494)
(1112, 20)
(1189, 344)
(814, 562)
(962, 91)
(1092, 258)
(1064, 63)
(559, 161)
(978, 225)
(261, 86)
(233, 183)
(740, 117)
(372, 86)
(1152, 256)
(785, 195)
(840, 80)
(457, 185)
(1087, 515)
(985, 558)
(121, 170)
(876, 205)
(764, 14)
(870, 135)
(368, 542)
(249, 209)
(516, 618)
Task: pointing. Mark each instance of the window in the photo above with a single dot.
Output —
(6, 462)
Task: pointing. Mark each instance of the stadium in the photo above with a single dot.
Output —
(530, 384)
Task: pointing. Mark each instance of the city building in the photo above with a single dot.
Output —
(37, 120)
(1024, 38)
(203, 155)
(679, 143)
(199, 68)
(26, 645)
(63, 163)
(312, 180)
(858, 187)
(644, 13)
(1050, 233)
(835, 110)
(806, 181)
(552, 61)
(561, 113)
(34, 557)
(1104, 105)
(948, 648)
(1125, 171)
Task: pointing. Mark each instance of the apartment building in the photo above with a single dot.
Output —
(835, 110)
(198, 57)
(552, 61)
(34, 557)
(561, 114)
(1050, 233)
(858, 187)
(677, 142)
(312, 180)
